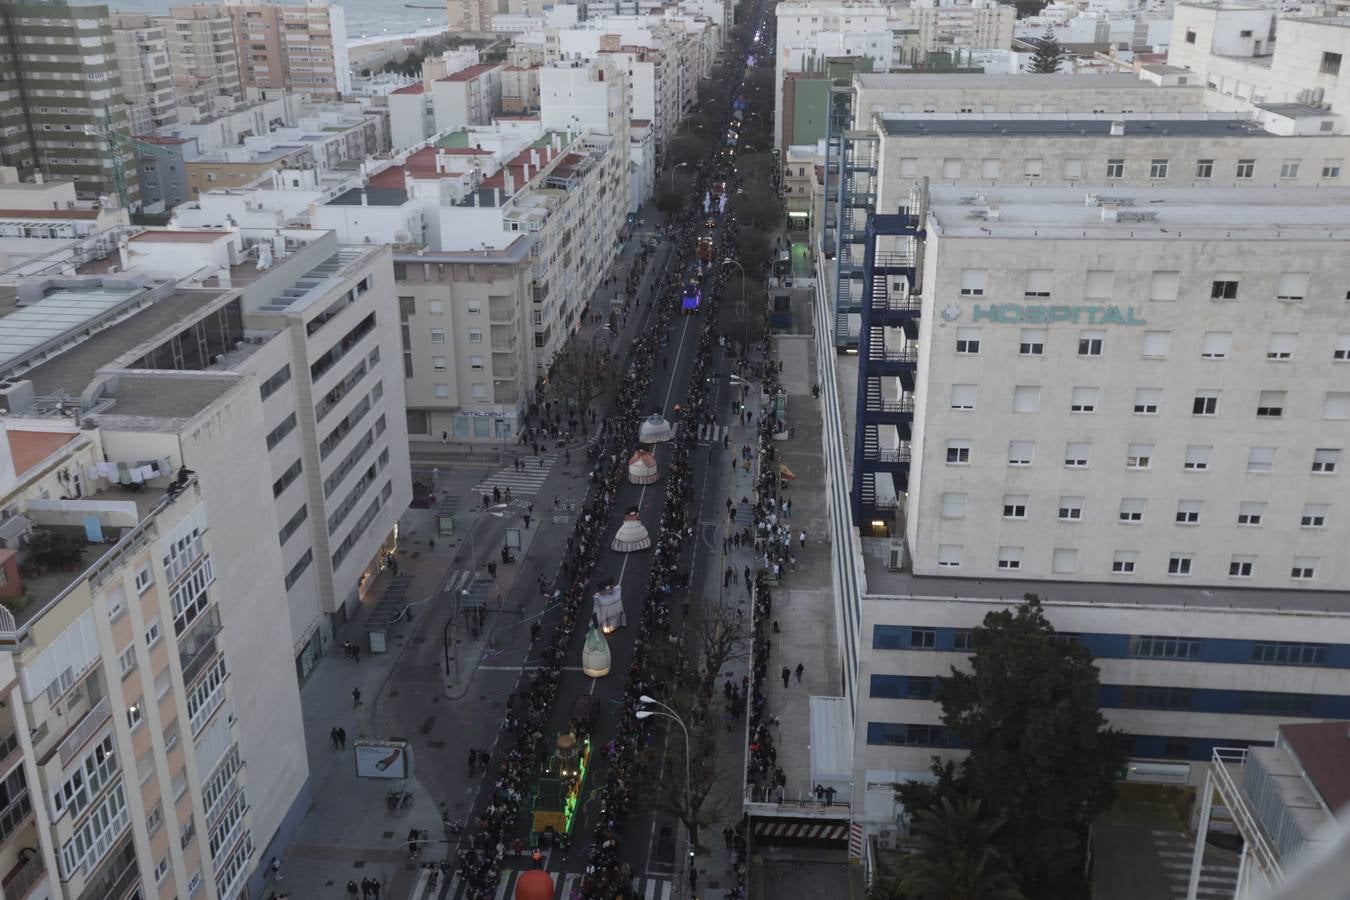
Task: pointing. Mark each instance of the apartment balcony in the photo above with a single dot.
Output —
(503, 340)
(24, 879)
(505, 371)
(502, 311)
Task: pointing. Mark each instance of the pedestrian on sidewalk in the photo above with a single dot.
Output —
(356, 699)
(275, 866)
(787, 675)
(801, 538)
(332, 736)
(445, 438)
(342, 738)
(351, 888)
(800, 669)
(728, 836)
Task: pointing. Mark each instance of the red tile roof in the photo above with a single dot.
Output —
(1323, 749)
(48, 214)
(28, 448)
(415, 88)
(516, 166)
(421, 165)
(470, 73)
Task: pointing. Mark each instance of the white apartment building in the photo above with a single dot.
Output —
(891, 36)
(501, 236)
(1101, 151)
(202, 56)
(36, 217)
(108, 793)
(295, 46)
(411, 117)
(1105, 94)
(303, 329)
(467, 98)
(142, 47)
(1192, 431)
(1235, 51)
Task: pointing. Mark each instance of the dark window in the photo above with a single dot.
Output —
(1155, 697)
(1223, 290)
(1271, 703)
(922, 638)
(275, 436)
(887, 687)
(920, 687)
(1177, 748)
(1289, 653)
(1190, 36)
(1155, 647)
(286, 478)
(1331, 64)
(269, 387)
(888, 637)
(964, 640)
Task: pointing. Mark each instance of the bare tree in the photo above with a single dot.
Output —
(580, 374)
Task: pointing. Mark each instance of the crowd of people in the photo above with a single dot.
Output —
(607, 876)
(773, 537)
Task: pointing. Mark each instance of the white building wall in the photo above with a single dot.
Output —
(1123, 273)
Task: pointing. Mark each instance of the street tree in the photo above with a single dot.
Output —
(580, 374)
(742, 319)
(951, 854)
(1041, 755)
(753, 250)
(1048, 56)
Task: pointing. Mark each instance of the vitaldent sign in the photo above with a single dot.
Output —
(1013, 313)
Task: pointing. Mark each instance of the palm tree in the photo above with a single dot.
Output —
(951, 856)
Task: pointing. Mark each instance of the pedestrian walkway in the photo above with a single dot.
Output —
(564, 884)
(522, 482)
(708, 433)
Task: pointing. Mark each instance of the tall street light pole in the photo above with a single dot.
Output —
(744, 302)
(670, 714)
(677, 167)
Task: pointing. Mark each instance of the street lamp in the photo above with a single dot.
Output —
(744, 302)
(670, 714)
(672, 173)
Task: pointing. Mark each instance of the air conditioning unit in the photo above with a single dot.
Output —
(895, 558)
(887, 837)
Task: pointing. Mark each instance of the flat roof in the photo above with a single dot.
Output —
(47, 213)
(994, 126)
(881, 582)
(1295, 110)
(26, 328)
(375, 196)
(1323, 749)
(1164, 69)
(471, 72)
(178, 236)
(72, 370)
(965, 81)
(1303, 213)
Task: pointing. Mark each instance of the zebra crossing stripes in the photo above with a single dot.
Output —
(521, 482)
(707, 433)
(566, 885)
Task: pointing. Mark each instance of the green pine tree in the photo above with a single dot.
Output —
(1049, 54)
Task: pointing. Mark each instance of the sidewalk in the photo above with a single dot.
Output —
(349, 832)
(717, 870)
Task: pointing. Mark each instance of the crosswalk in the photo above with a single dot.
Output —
(461, 580)
(1218, 879)
(566, 885)
(707, 433)
(526, 482)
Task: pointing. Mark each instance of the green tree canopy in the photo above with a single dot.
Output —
(1041, 754)
(952, 856)
(1049, 54)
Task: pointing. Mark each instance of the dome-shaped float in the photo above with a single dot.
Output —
(642, 468)
(536, 884)
(632, 534)
(595, 654)
(655, 429)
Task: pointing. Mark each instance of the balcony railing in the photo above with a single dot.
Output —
(1235, 799)
(83, 731)
(22, 877)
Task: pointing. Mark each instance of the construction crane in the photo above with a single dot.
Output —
(114, 142)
